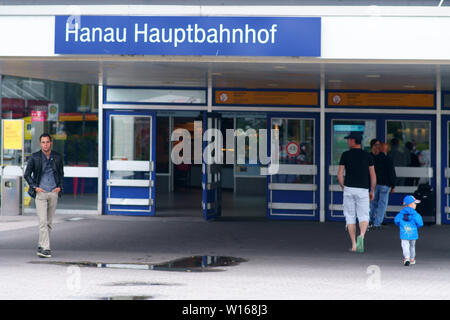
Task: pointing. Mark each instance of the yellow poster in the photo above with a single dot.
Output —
(13, 134)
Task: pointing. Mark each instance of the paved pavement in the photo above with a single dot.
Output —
(284, 260)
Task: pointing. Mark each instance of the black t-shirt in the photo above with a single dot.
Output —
(357, 163)
(384, 169)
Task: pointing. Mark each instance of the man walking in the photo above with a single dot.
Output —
(386, 177)
(45, 175)
(359, 178)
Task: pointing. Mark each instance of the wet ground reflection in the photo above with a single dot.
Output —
(127, 298)
(187, 264)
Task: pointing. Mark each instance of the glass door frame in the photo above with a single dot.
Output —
(106, 154)
(445, 170)
(211, 173)
(381, 127)
(329, 117)
(284, 214)
(398, 196)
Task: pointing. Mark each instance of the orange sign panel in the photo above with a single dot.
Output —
(77, 117)
(377, 99)
(272, 98)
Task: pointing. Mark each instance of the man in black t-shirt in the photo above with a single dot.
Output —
(386, 177)
(359, 178)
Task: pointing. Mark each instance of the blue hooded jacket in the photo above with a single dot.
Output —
(408, 220)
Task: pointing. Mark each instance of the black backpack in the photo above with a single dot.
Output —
(427, 206)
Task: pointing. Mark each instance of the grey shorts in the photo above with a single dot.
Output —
(356, 205)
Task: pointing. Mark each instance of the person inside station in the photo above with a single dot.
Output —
(425, 161)
(413, 162)
(385, 184)
(399, 158)
(182, 174)
(384, 147)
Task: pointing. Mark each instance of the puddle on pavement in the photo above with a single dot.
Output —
(198, 263)
(75, 219)
(135, 284)
(127, 298)
(188, 264)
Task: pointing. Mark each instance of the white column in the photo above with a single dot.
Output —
(322, 145)
(210, 96)
(100, 150)
(438, 146)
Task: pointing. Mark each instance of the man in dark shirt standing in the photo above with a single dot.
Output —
(45, 176)
(386, 177)
(359, 178)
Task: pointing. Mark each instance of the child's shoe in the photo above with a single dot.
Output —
(406, 262)
(412, 261)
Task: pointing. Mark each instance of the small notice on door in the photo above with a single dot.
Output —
(13, 134)
(293, 149)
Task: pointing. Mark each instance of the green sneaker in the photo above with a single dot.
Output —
(360, 244)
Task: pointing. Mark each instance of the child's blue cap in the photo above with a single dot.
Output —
(409, 199)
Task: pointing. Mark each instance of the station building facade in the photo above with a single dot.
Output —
(112, 83)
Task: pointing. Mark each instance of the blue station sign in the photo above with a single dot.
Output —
(211, 36)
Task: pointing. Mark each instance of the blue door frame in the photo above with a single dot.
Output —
(445, 176)
(211, 174)
(129, 193)
(282, 203)
(395, 199)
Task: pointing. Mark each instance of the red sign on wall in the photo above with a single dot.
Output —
(38, 116)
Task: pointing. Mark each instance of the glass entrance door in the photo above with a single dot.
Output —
(410, 148)
(129, 163)
(445, 164)
(338, 129)
(410, 144)
(292, 192)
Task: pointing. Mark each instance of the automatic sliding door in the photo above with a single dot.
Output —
(293, 190)
(410, 147)
(130, 172)
(340, 128)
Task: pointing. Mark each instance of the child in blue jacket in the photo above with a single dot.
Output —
(409, 220)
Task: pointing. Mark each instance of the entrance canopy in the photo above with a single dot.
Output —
(377, 45)
(137, 71)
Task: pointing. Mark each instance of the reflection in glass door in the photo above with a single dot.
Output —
(130, 174)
